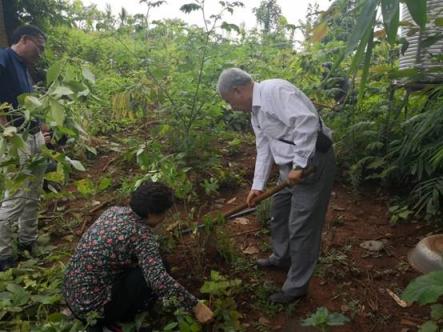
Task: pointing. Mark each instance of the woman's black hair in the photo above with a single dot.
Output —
(151, 197)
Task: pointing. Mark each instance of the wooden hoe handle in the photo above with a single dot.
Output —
(267, 193)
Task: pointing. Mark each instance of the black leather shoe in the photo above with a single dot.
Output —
(282, 298)
(267, 263)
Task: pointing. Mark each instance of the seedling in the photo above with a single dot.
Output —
(323, 319)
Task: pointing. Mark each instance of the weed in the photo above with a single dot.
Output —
(220, 291)
(323, 319)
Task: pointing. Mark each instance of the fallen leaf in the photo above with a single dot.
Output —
(241, 221)
(399, 301)
(172, 226)
(251, 250)
(232, 200)
(264, 321)
(338, 208)
(407, 322)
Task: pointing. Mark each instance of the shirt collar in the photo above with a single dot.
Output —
(256, 96)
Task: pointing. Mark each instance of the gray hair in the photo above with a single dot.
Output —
(230, 78)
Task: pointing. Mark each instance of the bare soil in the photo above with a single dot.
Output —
(348, 279)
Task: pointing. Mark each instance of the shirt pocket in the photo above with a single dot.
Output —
(274, 128)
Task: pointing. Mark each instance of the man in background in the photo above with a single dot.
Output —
(27, 46)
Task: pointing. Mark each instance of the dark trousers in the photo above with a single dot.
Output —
(130, 295)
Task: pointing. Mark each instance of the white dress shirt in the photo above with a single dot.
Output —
(281, 111)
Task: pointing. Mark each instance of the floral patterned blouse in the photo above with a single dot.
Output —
(117, 240)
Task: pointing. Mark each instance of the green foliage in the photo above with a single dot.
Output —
(264, 212)
(57, 107)
(29, 296)
(427, 289)
(170, 169)
(323, 319)
(399, 213)
(87, 187)
(220, 291)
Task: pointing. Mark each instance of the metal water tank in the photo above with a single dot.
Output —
(425, 58)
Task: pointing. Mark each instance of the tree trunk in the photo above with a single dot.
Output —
(3, 34)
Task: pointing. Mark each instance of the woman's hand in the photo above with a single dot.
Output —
(203, 313)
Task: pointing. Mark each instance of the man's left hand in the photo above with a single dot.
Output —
(295, 176)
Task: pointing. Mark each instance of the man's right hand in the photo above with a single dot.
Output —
(253, 194)
(203, 313)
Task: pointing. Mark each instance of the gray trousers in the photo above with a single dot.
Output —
(297, 217)
(22, 206)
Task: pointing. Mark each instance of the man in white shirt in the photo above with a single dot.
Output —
(290, 133)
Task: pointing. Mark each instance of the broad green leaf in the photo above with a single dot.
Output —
(53, 72)
(61, 91)
(425, 289)
(391, 15)
(57, 112)
(437, 311)
(19, 295)
(367, 63)
(85, 187)
(428, 326)
(368, 9)
(46, 299)
(170, 326)
(417, 9)
(91, 149)
(358, 57)
(79, 88)
(337, 319)
(76, 164)
(56, 176)
(88, 75)
(32, 102)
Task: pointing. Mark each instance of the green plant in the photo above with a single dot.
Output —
(210, 186)
(263, 212)
(87, 187)
(399, 213)
(220, 291)
(323, 319)
(427, 289)
(30, 295)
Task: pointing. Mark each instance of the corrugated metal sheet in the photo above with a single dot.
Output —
(424, 60)
(3, 36)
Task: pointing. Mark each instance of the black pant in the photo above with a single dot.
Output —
(130, 295)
